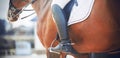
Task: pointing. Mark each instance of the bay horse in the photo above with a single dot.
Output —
(95, 37)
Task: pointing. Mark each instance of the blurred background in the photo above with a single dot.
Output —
(19, 39)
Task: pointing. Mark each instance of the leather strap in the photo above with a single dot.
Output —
(99, 55)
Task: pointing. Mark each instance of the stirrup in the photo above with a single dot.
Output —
(61, 47)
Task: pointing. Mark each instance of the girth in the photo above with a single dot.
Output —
(99, 55)
(110, 54)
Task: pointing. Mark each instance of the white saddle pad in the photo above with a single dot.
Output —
(79, 13)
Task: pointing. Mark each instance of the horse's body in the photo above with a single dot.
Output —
(98, 33)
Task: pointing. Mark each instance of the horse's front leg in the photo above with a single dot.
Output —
(55, 55)
(52, 55)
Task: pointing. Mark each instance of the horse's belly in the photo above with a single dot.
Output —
(95, 39)
(95, 36)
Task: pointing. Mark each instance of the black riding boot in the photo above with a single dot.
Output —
(61, 23)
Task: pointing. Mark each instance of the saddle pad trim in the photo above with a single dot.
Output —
(82, 14)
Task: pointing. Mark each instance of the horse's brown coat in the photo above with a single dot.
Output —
(99, 33)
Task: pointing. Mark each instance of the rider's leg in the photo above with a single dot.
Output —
(61, 23)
